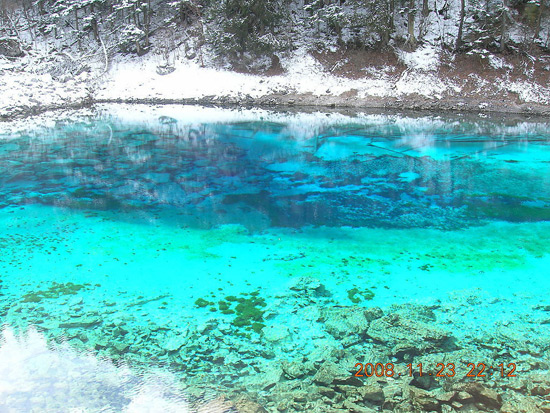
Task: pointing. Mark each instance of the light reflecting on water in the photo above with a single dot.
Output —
(37, 376)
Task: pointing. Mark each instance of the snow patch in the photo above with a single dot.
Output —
(424, 84)
(529, 92)
(499, 63)
(426, 58)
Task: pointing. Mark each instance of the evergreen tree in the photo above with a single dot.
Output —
(245, 27)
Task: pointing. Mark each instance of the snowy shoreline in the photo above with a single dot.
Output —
(305, 83)
(303, 103)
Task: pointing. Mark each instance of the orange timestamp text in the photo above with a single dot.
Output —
(439, 370)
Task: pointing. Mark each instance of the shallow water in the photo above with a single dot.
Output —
(223, 252)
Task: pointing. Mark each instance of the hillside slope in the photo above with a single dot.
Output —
(485, 56)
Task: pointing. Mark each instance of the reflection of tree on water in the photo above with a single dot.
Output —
(329, 175)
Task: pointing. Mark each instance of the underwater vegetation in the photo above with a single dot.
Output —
(201, 303)
(356, 295)
(247, 308)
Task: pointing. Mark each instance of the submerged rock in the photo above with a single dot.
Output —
(423, 400)
(408, 337)
(274, 333)
(309, 285)
(354, 407)
(293, 369)
(539, 384)
(174, 343)
(345, 321)
(219, 404)
(80, 322)
(372, 392)
(245, 405)
(120, 347)
(330, 372)
(525, 405)
(481, 394)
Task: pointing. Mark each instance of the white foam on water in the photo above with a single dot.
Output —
(35, 376)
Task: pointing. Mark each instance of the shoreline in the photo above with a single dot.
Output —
(308, 103)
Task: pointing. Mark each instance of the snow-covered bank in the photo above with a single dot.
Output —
(420, 84)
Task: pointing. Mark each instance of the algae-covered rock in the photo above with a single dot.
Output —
(56, 290)
(257, 327)
(250, 313)
(201, 303)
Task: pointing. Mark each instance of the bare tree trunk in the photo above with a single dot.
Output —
(391, 21)
(77, 28)
(147, 22)
(105, 54)
(13, 24)
(410, 24)
(41, 7)
(542, 9)
(389, 26)
(424, 21)
(94, 24)
(28, 18)
(460, 26)
(503, 26)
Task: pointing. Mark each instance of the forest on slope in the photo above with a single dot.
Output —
(488, 55)
(253, 34)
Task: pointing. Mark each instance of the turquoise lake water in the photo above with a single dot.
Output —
(202, 255)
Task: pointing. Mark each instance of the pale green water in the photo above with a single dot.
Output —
(178, 243)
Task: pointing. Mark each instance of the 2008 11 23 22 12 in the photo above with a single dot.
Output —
(440, 370)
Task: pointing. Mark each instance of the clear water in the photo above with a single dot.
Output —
(211, 250)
